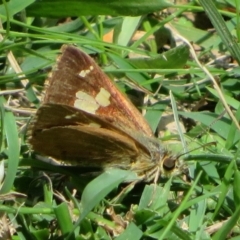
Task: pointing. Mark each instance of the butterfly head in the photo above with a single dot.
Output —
(162, 163)
(171, 165)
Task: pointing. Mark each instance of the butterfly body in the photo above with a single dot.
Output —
(86, 121)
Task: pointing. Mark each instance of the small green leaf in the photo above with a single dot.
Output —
(224, 187)
(131, 232)
(172, 59)
(236, 184)
(64, 219)
(14, 6)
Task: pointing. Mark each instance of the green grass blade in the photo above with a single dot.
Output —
(11, 132)
(221, 28)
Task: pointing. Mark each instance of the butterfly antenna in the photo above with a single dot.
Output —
(205, 145)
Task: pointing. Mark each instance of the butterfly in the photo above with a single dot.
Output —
(84, 120)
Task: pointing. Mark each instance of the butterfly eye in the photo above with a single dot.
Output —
(169, 163)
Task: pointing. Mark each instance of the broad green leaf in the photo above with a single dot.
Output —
(61, 8)
(97, 189)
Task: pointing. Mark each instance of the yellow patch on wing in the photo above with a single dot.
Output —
(70, 116)
(102, 97)
(93, 124)
(86, 102)
(85, 72)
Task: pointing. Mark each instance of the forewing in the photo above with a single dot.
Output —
(77, 81)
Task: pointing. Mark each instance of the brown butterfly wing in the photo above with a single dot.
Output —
(79, 138)
(85, 120)
(77, 81)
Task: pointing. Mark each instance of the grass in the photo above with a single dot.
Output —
(200, 85)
